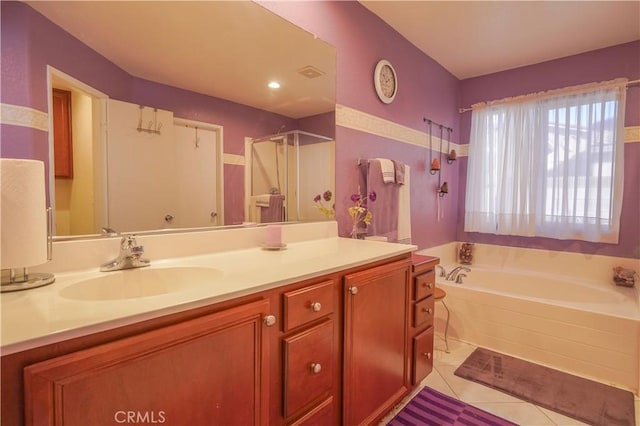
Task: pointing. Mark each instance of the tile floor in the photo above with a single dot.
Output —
(506, 406)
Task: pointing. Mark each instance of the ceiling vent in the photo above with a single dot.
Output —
(310, 72)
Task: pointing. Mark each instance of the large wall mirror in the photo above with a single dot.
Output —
(185, 131)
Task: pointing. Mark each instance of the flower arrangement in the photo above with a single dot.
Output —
(320, 201)
(359, 212)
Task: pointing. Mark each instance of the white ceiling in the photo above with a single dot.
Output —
(225, 49)
(473, 38)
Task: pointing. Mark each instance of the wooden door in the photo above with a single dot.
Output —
(62, 134)
(376, 358)
(210, 370)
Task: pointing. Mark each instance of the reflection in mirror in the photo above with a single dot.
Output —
(287, 171)
(159, 133)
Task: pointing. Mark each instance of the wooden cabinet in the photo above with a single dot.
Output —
(311, 370)
(62, 135)
(208, 370)
(376, 358)
(341, 351)
(422, 302)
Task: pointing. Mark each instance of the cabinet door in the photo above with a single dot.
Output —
(422, 355)
(210, 370)
(308, 367)
(376, 361)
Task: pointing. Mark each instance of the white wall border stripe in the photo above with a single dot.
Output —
(367, 123)
(234, 159)
(24, 116)
(17, 115)
(632, 134)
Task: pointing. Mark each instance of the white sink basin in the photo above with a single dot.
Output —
(141, 282)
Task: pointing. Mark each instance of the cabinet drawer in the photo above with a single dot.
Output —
(307, 304)
(308, 366)
(422, 355)
(322, 415)
(424, 285)
(423, 312)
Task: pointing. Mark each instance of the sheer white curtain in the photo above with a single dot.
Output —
(549, 164)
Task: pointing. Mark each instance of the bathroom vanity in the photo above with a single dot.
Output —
(320, 333)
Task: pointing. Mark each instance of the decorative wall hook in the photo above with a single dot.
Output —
(451, 157)
(435, 166)
(444, 189)
(153, 127)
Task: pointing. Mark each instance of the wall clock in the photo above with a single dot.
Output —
(385, 81)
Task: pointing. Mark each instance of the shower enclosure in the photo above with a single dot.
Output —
(296, 165)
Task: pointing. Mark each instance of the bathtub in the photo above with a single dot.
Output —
(563, 313)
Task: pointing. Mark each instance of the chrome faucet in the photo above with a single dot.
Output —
(130, 256)
(459, 278)
(443, 272)
(454, 273)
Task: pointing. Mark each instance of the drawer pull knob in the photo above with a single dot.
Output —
(269, 320)
(428, 355)
(427, 311)
(353, 290)
(316, 368)
(428, 285)
(316, 306)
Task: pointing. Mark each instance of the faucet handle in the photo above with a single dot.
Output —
(443, 272)
(129, 244)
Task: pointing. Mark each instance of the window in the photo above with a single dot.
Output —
(548, 165)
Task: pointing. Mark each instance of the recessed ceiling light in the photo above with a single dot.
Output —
(274, 85)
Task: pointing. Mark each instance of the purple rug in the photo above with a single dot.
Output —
(430, 407)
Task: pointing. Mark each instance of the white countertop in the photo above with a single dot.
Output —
(31, 318)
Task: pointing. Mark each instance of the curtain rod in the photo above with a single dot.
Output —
(628, 83)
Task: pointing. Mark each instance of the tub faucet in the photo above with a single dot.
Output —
(459, 278)
(130, 256)
(454, 273)
(443, 272)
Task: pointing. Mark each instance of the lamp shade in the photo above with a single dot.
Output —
(23, 213)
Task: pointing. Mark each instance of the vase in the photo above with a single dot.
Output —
(358, 233)
(465, 253)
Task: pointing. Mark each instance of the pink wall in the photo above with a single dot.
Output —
(425, 89)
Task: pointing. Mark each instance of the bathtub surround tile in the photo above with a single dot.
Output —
(522, 413)
(559, 419)
(571, 395)
(437, 382)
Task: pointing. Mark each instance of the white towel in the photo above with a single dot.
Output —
(388, 170)
(404, 209)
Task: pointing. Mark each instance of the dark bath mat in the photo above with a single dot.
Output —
(585, 400)
(430, 407)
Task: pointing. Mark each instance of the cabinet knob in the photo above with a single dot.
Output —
(269, 320)
(316, 368)
(428, 285)
(316, 306)
(428, 355)
(353, 290)
(427, 311)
